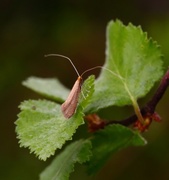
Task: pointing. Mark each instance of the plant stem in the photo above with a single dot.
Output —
(151, 105)
(137, 111)
(135, 105)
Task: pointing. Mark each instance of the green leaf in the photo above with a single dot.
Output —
(135, 63)
(42, 127)
(87, 91)
(63, 164)
(48, 87)
(110, 140)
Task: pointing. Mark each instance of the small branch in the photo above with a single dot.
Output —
(150, 106)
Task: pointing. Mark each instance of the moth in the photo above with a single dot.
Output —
(69, 106)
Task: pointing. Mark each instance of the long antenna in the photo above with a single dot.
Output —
(100, 67)
(60, 55)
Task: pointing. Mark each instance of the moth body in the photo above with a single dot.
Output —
(69, 106)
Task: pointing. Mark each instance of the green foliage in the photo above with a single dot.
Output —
(63, 164)
(48, 87)
(135, 62)
(42, 127)
(110, 140)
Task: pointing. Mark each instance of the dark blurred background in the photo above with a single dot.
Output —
(31, 29)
